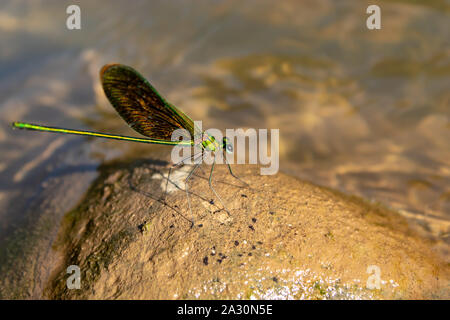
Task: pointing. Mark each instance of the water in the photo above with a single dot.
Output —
(365, 112)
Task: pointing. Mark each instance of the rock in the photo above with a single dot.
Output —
(282, 239)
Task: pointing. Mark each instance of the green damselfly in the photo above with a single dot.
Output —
(149, 114)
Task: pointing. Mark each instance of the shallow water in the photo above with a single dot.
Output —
(366, 112)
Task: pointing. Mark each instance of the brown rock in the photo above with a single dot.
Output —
(305, 242)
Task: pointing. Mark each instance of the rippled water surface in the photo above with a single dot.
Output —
(366, 112)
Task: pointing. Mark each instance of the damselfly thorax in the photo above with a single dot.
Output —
(209, 143)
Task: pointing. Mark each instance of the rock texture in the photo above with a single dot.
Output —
(282, 239)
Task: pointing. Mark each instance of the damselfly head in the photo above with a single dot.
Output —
(227, 146)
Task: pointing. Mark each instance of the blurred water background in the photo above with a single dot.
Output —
(365, 112)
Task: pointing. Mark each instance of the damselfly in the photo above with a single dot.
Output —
(149, 114)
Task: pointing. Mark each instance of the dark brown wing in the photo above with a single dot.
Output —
(140, 105)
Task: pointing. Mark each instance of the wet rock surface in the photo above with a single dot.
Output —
(282, 239)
